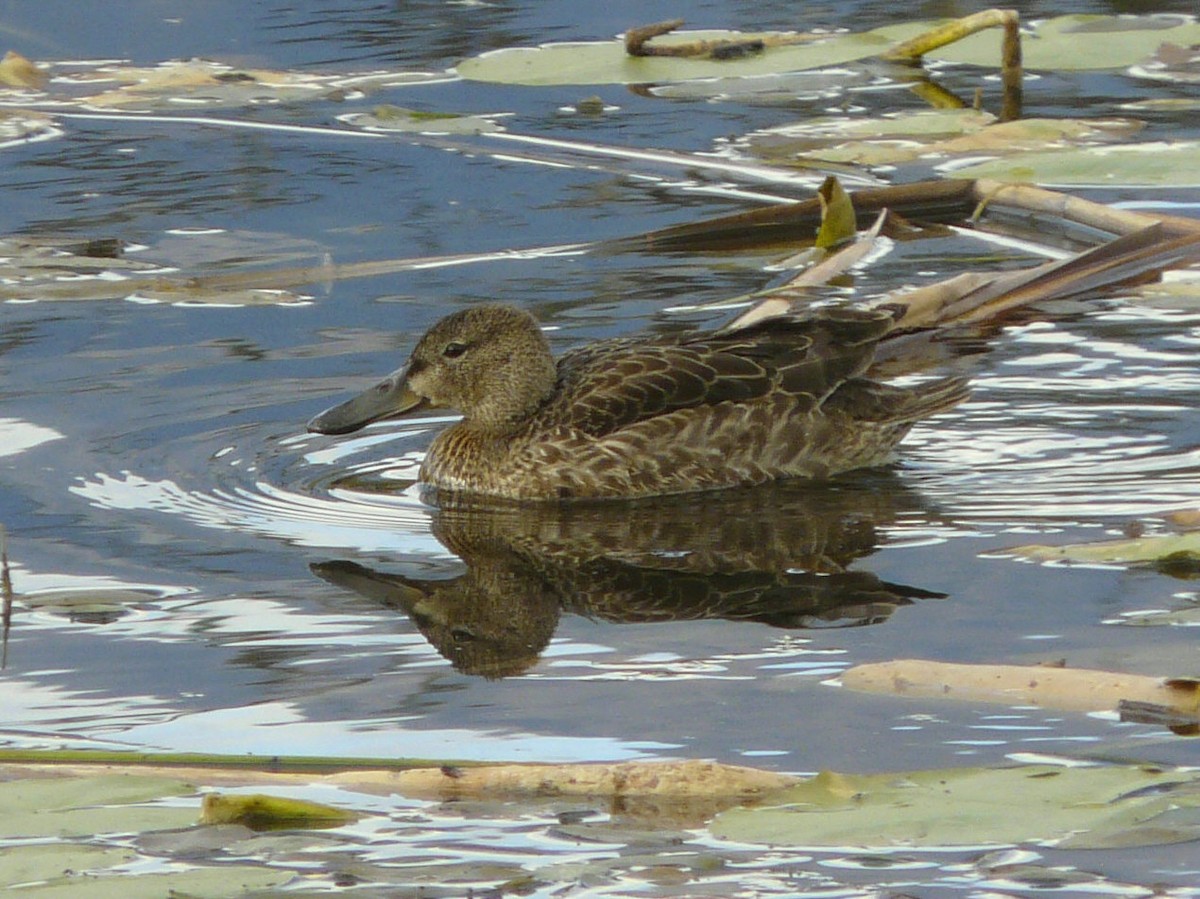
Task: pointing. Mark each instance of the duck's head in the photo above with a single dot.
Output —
(491, 363)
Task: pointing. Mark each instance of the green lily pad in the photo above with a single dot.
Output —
(76, 879)
(606, 62)
(1068, 43)
(973, 807)
(83, 806)
(1159, 164)
(1065, 43)
(43, 862)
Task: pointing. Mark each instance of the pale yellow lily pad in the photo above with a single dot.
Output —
(204, 84)
(83, 806)
(973, 807)
(44, 862)
(1158, 164)
(927, 134)
(606, 62)
(17, 71)
(1060, 44)
(1069, 43)
(71, 870)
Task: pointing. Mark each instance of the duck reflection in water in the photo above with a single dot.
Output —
(775, 554)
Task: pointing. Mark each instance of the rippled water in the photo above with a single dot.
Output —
(197, 573)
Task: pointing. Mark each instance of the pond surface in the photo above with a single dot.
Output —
(196, 573)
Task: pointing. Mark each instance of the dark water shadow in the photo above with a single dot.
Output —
(777, 555)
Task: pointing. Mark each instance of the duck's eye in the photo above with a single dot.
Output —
(454, 349)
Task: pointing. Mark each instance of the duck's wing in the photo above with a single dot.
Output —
(612, 384)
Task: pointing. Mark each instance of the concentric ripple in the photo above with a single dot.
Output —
(316, 513)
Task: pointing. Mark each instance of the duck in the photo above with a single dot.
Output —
(650, 415)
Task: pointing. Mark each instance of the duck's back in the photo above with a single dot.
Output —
(672, 414)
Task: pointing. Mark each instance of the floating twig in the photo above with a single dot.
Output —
(637, 43)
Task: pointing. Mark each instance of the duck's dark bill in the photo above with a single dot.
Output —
(387, 399)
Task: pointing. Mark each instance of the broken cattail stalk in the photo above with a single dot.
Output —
(949, 32)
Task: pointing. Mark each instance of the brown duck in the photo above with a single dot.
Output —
(645, 416)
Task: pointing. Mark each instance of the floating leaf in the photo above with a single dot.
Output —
(397, 118)
(784, 88)
(76, 603)
(968, 807)
(198, 83)
(926, 134)
(1159, 164)
(1069, 43)
(44, 862)
(70, 870)
(259, 811)
(81, 806)
(1135, 550)
(606, 62)
(17, 71)
(837, 215)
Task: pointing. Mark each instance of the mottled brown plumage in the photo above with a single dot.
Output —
(651, 415)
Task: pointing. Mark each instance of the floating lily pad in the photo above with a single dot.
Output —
(1159, 164)
(974, 807)
(1136, 550)
(77, 602)
(260, 811)
(82, 806)
(606, 62)
(1065, 43)
(397, 118)
(17, 71)
(903, 137)
(202, 84)
(43, 862)
(785, 88)
(70, 870)
(1069, 43)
